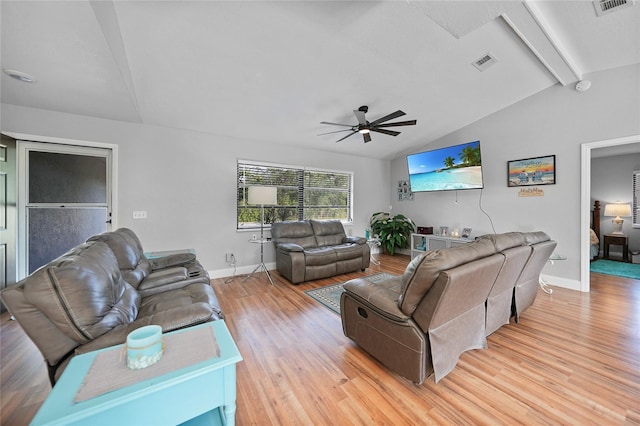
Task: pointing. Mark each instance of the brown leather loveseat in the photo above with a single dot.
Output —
(312, 249)
(446, 302)
(82, 302)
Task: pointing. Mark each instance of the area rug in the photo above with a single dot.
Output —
(329, 296)
(621, 269)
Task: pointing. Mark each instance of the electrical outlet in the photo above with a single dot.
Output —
(230, 258)
(140, 214)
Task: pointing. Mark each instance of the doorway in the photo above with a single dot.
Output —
(8, 275)
(65, 198)
(585, 200)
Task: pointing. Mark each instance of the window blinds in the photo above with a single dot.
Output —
(303, 193)
(636, 199)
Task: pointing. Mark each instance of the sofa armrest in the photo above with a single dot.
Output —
(355, 240)
(290, 247)
(163, 277)
(178, 259)
(381, 297)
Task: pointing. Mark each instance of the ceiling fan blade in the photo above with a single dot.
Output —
(386, 132)
(398, 123)
(391, 116)
(352, 133)
(337, 131)
(336, 124)
(366, 137)
(360, 116)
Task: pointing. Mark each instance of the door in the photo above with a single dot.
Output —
(8, 227)
(67, 195)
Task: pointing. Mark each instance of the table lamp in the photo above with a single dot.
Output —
(617, 210)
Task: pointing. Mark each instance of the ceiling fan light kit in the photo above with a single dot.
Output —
(365, 127)
(18, 75)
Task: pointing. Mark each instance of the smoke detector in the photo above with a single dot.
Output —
(583, 85)
(604, 7)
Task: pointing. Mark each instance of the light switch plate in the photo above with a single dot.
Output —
(140, 214)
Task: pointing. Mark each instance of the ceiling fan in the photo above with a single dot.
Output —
(365, 127)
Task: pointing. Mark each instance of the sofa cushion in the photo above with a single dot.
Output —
(347, 251)
(172, 310)
(381, 297)
(83, 292)
(423, 270)
(328, 232)
(319, 256)
(297, 232)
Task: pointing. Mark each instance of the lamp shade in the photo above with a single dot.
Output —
(616, 210)
(263, 195)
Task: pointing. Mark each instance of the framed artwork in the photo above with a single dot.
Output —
(532, 171)
(444, 231)
(3, 153)
(404, 191)
(466, 233)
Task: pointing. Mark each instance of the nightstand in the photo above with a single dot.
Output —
(617, 240)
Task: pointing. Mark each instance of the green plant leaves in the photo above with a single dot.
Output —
(393, 231)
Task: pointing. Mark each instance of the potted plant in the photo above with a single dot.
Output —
(393, 231)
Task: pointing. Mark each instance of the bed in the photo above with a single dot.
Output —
(594, 248)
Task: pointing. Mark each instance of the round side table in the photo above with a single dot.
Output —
(543, 285)
(373, 242)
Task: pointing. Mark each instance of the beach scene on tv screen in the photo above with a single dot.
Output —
(455, 167)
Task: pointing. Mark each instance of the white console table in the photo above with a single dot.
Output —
(425, 242)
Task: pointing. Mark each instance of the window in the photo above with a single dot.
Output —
(303, 193)
(636, 199)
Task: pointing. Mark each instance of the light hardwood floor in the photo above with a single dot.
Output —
(573, 359)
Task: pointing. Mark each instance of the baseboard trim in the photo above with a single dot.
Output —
(553, 281)
(240, 270)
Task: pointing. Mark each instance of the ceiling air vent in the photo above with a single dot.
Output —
(604, 7)
(485, 61)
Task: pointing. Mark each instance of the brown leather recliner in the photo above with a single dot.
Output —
(81, 302)
(422, 322)
(442, 305)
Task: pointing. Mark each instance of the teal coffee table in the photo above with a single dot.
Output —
(202, 392)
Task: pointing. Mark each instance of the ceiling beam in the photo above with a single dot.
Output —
(529, 23)
(107, 19)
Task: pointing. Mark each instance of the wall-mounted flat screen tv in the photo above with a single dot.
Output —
(446, 169)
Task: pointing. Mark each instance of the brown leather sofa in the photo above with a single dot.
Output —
(313, 249)
(444, 303)
(82, 302)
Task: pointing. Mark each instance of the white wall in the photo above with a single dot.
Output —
(611, 181)
(555, 121)
(186, 181)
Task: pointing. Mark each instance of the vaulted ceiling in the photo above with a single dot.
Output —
(273, 70)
